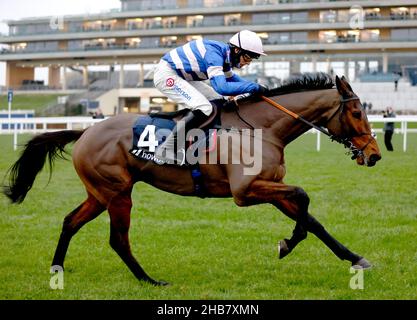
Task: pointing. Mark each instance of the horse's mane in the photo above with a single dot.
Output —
(304, 82)
(296, 83)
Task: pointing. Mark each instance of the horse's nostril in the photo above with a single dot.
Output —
(374, 158)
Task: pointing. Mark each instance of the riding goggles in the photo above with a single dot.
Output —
(249, 56)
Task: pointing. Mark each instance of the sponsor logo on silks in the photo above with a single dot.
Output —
(182, 92)
(140, 153)
(170, 82)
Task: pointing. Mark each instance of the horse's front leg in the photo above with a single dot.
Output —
(294, 201)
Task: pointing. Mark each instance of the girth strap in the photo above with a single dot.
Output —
(199, 189)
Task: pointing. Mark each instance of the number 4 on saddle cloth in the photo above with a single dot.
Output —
(151, 131)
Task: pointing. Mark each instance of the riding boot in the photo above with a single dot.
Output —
(166, 151)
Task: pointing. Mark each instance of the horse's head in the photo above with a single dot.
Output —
(350, 125)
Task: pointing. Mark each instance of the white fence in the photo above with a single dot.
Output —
(38, 125)
(17, 126)
(403, 129)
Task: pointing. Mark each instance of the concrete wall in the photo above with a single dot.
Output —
(109, 101)
(54, 77)
(114, 98)
(15, 75)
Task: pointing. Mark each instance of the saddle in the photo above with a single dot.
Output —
(178, 115)
(150, 131)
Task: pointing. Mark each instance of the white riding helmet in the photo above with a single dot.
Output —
(248, 41)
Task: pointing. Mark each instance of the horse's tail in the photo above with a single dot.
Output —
(23, 172)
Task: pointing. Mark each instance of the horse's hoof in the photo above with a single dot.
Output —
(362, 263)
(161, 283)
(283, 249)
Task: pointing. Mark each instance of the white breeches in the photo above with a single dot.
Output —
(193, 95)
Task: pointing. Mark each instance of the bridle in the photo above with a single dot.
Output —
(346, 140)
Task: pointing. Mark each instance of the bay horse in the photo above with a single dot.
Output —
(102, 161)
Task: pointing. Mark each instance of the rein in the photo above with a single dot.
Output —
(345, 141)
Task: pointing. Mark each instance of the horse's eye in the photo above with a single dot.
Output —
(357, 114)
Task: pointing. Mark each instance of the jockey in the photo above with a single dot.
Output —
(181, 72)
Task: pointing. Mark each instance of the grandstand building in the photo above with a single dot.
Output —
(367, 41)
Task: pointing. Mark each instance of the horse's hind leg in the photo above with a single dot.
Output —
(294, 202)
(297, 208)
(119, 210)
(73, 222)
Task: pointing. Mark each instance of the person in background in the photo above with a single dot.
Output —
(365, 106)
(98, 114)
(388, 128)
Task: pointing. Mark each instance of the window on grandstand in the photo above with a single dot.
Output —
(99, 25)
(329, 36)
(299, 17)
(347, 15)
(372, 14)
(213, 3)
(413, 13)
(369, 35)
(343, 15)
(42, 46)
(169, 41)
(150, 42)
(404, 34)
(328, 16)
(153, 23)
(194, 37)
(401, 13)
(228, 3)
(75, 44)
(299, 37)
(214, 20)
(169, 22)
(232, 19)
(195, 3)
(97, 44)
(75, 26)
(18, 47)
(284, 37)
(148, 4)
(31, 29)
(134, 24)
(194, 21)
(261, 2)
(280, 17)
(348, 36)
(278, 37)
(133, 42)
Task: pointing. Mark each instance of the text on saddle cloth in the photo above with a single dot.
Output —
(149, 132)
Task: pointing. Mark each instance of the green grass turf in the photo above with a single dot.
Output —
(35, 102)
(211, 249)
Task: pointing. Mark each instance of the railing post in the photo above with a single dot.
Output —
(15, 138)
(318, 140)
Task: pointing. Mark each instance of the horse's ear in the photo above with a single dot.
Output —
(344, 80)
(339, 86)
(342, 86)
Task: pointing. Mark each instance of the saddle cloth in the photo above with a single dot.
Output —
(150, 131)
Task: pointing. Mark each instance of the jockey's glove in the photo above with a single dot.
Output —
(262, 90)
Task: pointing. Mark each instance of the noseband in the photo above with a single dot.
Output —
(347, 140)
